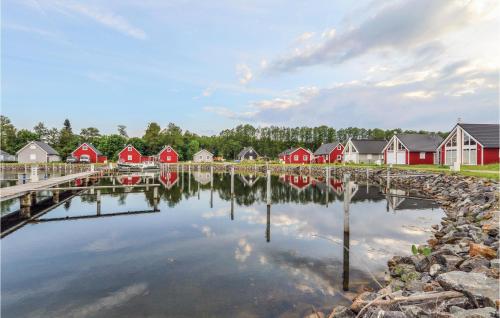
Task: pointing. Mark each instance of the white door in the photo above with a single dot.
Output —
(351, 157)
(391, 157)
(401, 158)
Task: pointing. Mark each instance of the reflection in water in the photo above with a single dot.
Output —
(163, 246)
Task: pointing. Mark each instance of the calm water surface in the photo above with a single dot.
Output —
(195, 256)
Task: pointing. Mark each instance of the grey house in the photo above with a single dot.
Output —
(364, 151)
(203, 156)
(247, 153)
(7, 157)
(37, 151)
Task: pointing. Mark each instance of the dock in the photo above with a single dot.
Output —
(20, 190)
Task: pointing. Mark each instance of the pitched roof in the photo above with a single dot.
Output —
(203, 150)
(369, 145)
(245, 150)
(45, 147)
(326, 149)
(165, 147)
(4, 153)
(292, 150)
(91, 147)
(487, 134)
(420, 142)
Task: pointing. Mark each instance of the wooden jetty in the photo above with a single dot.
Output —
(22, 190)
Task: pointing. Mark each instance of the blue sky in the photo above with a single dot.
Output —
(210, 65)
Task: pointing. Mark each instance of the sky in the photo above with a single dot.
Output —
(211, 65)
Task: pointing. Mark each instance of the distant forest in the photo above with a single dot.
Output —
(268, 141)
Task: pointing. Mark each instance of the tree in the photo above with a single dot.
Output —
(67, 140)
(7, 135)
(138, 143)
(89, 134)
(192, 148)
(122, 131)
(24, 136)
(41, 131)
(152, 139)
(67, 126)
(110, 145)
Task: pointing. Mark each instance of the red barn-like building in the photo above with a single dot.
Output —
(296, 181)
(471, 144)
(168, 155)
(88, 151)
(329, 153)
(130, 154)
(296, 155)
(412, 149)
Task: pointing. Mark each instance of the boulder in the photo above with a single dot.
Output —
(342, 312)
(486, 312)
(474, 262)
(434, 270)
(474, 284)
(481, 250)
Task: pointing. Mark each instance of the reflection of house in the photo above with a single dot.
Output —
(248, 180)
(37, 151)
(364, 151)
(334, 184)
(7, 157)
(296, 181)
(202, 177)
(168, 179)
(412, 149)
(471, 144)
(130, 179)
(365, 193)
(397, 200)
(203, 156)
(88, 152)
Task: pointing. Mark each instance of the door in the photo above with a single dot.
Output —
(401, 159)
(391, 157)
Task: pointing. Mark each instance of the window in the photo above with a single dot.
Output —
(339, 147)
(168, 149)
(33, 156)
(84, 147)
(400, 146)
(296, 157)
(339, 157)
(369, 156)
(305, 157)
(32, 147)
(295, 179)
(304, 178)
(129, 148)
(129, 157)
(422, 155)
(391, 147)
(208, 157)
(169, 158)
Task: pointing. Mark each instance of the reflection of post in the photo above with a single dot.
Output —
(189, 179)
(198, 190)
(388, 183)
(232, 192)
(55, 196)
(155, 198)
(98, 200)
(268, 201)
(211, 186)
(26, 204)
(347, 201)
(327, 184)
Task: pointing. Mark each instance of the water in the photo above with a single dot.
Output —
(194, 256)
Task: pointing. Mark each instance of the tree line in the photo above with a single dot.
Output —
(267, 141)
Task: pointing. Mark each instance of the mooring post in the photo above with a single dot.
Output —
(268, 201)
(189, 179)
(388, 181)
(347, 199)
(26, 203)
(98, 201)
(268, 224)
(34, 174)
(232, 180)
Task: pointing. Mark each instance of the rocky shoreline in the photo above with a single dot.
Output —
(457, 273)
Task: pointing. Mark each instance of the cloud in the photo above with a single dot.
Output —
(28, 29)
(243, 250)
(101, 16)
(435, 96)
(400, 26)
(244, 73)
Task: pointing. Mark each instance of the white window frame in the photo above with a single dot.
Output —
(295, 157)
(296, 179)
(129, 148)
(339, 157)
(422, 155)
(33, 156)
(305, 157)
(169, 158)
(129, 157)
(339, 147)
(84, 147)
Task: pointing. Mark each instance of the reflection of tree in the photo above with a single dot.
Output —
(7, 204)
(67, 205)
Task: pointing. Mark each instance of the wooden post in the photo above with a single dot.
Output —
(98, 200)
(55, 196)
(347, 199)
(211, 186)
(268, 224)
(232, 192)
(26, 204)
(269, 200)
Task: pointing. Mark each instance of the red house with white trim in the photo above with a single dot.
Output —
(88, 151)
(168, 155)
(296, 155)
(299, 182)
(471, 144)
(329, 153)
(412, 149)
(169, 179)
(130, 154)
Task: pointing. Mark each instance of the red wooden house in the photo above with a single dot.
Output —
(129, 180)
(296, 155)
(412, 149)
(168, 155)
(471, 144)
(130, 154)
(329, 153)
(88, 151)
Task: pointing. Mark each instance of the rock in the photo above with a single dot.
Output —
(434, 270)
(474, 262)
(449, 261)
(414, 311)
(486, 312)
(379, 313)
(342, 312)
(495, 263)
(317, 314)
(482, 250)
(475, 284)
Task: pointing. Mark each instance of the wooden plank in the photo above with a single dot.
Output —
(92, 216)
(99, 187)
(21, 189)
